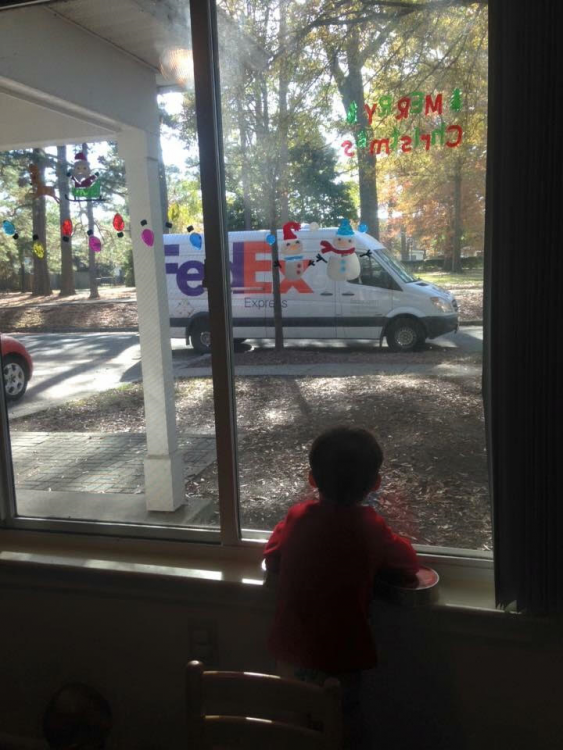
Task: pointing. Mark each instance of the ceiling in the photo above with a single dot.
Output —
(144, 29)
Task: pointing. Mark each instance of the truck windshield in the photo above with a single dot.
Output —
(400, 270)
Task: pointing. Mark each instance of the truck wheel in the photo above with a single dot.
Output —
(200, 336)
(404, 335)
(15, 377)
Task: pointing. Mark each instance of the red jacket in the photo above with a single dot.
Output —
(327, 557)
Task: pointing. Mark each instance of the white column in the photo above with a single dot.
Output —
(164, 477)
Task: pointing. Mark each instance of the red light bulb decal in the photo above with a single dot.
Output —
(118, 224)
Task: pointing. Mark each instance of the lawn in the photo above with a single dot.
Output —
(472, 279)
(117, 308)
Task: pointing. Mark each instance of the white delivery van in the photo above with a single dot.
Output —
(383, 301)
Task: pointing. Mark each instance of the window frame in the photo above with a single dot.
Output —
(229, 537)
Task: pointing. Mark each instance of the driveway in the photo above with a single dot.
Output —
(75, 365)
(71, 366)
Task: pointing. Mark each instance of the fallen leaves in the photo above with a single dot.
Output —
(435, 486)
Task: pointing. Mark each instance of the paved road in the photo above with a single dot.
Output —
(75, 365)
(70, 366)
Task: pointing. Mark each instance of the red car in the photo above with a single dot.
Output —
(17, 366)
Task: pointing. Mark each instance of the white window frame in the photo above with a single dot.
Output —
(229, 541)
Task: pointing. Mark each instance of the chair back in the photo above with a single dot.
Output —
(249, 710)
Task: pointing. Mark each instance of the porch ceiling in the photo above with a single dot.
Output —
(97, 61)
(142, 29)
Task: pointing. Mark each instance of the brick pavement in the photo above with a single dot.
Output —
(97, 462)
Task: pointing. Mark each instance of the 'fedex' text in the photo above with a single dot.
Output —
(248, 271)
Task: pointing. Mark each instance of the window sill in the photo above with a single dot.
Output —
(465, 583)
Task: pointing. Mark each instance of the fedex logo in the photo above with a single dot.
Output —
(245, 267)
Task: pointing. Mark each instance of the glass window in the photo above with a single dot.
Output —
(349, 132)
(396, 265)
(354, 148)
(111, 414)
(372, 273)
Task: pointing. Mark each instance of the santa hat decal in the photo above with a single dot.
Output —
(80, 157)
(289, 229)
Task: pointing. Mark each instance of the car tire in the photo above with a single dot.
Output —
(404, 335)
(15, 377)
(200, 336)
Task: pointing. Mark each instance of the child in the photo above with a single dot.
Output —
(327, 553)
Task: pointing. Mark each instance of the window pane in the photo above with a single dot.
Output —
(372, 273)
(374, 115)
(115, 425)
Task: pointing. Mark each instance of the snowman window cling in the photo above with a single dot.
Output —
(292, 251)
(344, 264)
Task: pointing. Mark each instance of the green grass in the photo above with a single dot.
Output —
(473, 278)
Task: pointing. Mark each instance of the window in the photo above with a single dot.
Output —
(399, 269)
(298, 145)
(354, 205)
(100, 276)
(373, 274)
(379, 120)
(335, 205)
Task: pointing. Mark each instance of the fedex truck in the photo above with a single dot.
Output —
(333, 286)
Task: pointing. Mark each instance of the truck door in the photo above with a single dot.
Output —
(364, 303)
(308, 303)
(250, 290)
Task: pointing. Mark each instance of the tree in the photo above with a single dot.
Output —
(41, 281)
(67, 266)
(440, 194)
(323, 53)
(15, 208)
(315, 193)
(92, 271)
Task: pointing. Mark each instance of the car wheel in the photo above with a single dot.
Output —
(15, 377)
(404, 335)
(200, 336)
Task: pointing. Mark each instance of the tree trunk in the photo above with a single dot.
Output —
(457, 233)
(244, 167)
(92, 270)
(276, 294)
(67, 268)
(163, 187)
(41, 281)
(269, 141)
(351, 89)
(22, 268)
(283, 125)
(404, 246)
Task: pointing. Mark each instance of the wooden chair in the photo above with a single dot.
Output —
(261, 712)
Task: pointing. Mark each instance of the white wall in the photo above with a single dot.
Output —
(46, 59)
(446, 680)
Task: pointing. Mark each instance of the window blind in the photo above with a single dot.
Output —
(523, 305)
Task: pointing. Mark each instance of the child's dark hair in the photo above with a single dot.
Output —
(77, 716)
(345, 462)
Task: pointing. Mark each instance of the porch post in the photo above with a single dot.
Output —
(164, 476)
